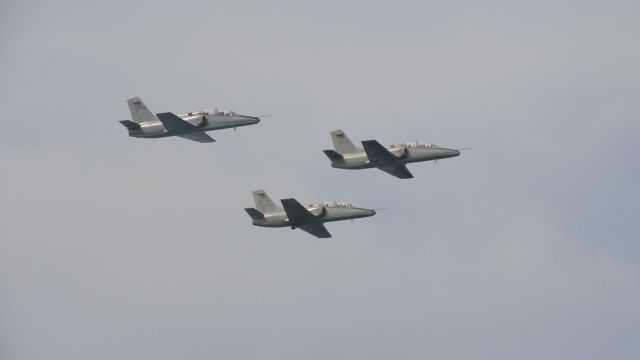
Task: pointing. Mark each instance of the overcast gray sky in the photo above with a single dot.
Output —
(119, 248)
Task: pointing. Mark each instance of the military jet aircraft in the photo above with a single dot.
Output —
(309, 218)
(192, 126)
(391, 159)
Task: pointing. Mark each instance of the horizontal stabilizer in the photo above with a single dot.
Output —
(255, 214)
(130, 124)
(333, 155)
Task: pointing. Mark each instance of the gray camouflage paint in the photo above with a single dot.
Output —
(267, 214)
(152, 127)
(404, 153)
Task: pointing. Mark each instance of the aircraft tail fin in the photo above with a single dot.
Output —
(255, 214)
(263, 202)
(341, 142)
(139, 111)
(333, 156)
(130, 124)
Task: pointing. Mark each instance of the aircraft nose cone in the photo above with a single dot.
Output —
(370, 212)
(257, 119)
(451, 153)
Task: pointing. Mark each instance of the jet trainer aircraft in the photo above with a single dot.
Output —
(308, 218)
(391, 159)
(190, 126)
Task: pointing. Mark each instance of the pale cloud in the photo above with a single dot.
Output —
(522, 247)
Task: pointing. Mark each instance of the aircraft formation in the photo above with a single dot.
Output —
(310, 218)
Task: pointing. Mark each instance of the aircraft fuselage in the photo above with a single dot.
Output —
(404, 154)
(322, 213)
(155, 129)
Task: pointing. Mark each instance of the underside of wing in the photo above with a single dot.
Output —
(399, 171)
(199, 136)
(377, 153)
(175, 124)
(297, 213)
(317, 230)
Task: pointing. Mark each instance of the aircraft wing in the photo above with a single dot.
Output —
(175, 124)
(199, 136)
(297, 213)
(377, 153)
(316, 229)
(399, 171)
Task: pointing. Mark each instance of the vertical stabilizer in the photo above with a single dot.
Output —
(139, 111)
(341, 142)
(264, 204)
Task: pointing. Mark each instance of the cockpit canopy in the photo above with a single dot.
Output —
(220, 112)
(417, 144)
(333, 204)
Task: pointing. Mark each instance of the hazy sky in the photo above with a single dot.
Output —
(525, 247)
